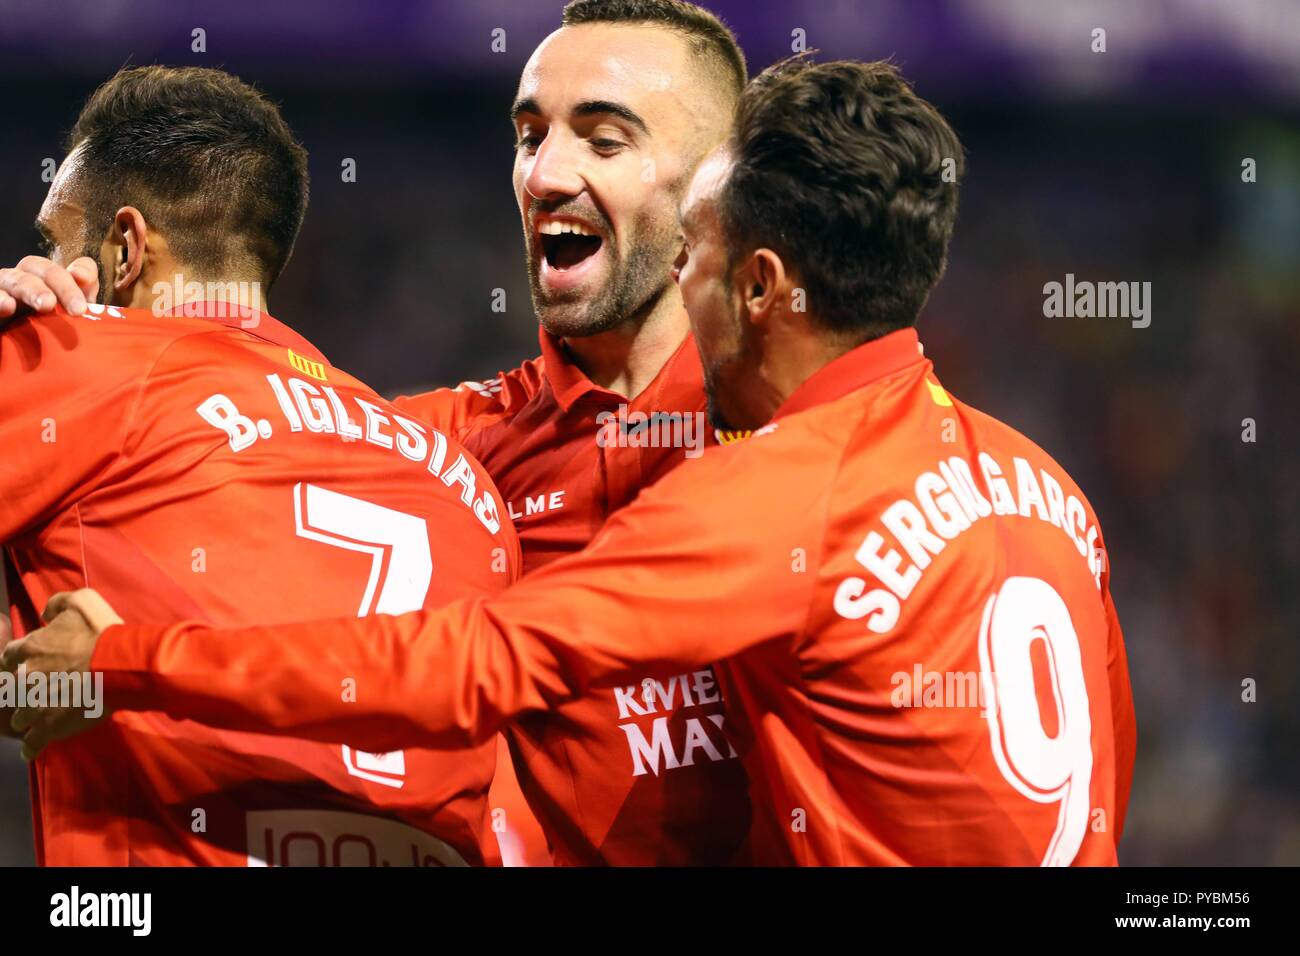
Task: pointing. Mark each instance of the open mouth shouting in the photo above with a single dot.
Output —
(570, 251)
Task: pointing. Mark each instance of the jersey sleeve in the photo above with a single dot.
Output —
(462, 410)
(64, 411)
(697, 569)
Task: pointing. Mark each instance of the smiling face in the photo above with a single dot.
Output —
(610, 120)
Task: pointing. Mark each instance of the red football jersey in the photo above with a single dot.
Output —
(222, 470)
(639, 774)
(909, 604)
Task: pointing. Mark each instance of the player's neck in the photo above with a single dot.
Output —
(627, 358)
(793, 352)
(182, 288)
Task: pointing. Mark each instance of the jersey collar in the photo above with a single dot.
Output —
(679, 384)
(854, 369)
(260, 325)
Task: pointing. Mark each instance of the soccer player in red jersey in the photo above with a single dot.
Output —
(211, 454)
(909, 602)
(613, 112)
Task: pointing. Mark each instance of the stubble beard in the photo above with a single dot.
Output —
(725, 374)
(633, 286)
(91, 251)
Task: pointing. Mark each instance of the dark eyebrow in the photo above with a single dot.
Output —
(597, 107)
(585, 108)
(526, 105)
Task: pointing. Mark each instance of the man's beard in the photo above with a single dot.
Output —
(716, 418)
(92, 253)
(727, 375)
(632, 286)
(716, 375)
(713, 388)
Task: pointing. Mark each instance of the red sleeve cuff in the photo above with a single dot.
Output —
(123, 654)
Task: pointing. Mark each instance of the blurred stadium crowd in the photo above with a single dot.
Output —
(1135, 179)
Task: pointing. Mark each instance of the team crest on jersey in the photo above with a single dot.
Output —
(730, 437)
(305, 365)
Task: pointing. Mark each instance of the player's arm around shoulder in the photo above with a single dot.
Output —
(728, 538)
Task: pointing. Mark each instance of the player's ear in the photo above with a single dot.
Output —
(127, 247)
(762, 283)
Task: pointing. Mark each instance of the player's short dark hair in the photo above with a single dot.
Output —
(205, 157)
(710, 38)
(840, 169)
